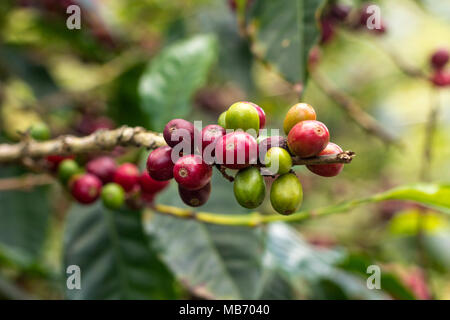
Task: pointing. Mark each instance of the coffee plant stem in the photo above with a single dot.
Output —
(104, 140)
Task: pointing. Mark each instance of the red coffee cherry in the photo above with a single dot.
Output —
(53, 161)
(327, 30)
(148, 198)
(236, 150)
(89, 124)
(159, 164)
(150, 185)
(86, 188)
(103, 167)
(195, 198)
(439, 58)
(127, 175)
(191, 172)
(178, 130)
(328, 170)
(441, 79)
(261, 114)
(308, 138)
(210, 134)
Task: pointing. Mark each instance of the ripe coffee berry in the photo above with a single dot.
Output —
(242, 115)
(68, 168)
(159, 164)
(195, 198)
(103, 167)
(127, 175)
(178, 130)
(441, 79)
(286, 194)
(308, 138)
(113, 196)
(86, 188)
(328, 170)
(191, 172)
(298, 112)
(236, 150)
(150, 185)
(210, 135)
(439, 59)
(340, 12)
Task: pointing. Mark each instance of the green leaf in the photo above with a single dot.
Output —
(213, 261)
(114, 256)
(24, 222)
(317, 268)
(284, 31)
(436, 196)
(171, 79)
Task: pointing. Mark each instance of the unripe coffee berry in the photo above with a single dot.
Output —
(195, 198)
(298, 112)
(210, 135)
(328, 170)
(308, 138)
(270, 142)
(439, 59)
(249, 188)
(278, 161)
(150, 185)
(221, 121)
(102, 167)
(127, 175)
(236, 150)
(179, 130)
(53, 161)
(40, 131)
(159, 164)
(286, 194)
(191, 172)
(68, 168)
(86, 188)
(113, 196)
(244, 116)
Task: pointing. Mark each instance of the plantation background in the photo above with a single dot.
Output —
(142, 63)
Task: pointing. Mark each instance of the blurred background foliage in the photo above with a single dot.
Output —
(142, 63)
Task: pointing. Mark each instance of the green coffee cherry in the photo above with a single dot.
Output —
(68, 168)
(278, 161)
(249, 188)
(286, 194)
(221, 121)
(242, 115)
(113, 196)
(40, 131)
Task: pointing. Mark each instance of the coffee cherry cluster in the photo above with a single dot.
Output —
(102, 178)
(236, 143)
(438, 61)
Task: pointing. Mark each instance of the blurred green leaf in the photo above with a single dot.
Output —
(436, 196)
(171, 79)
(300, 261)
(114, 256)
(284, 31)
(24, 222)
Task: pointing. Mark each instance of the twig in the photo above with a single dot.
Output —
(67, 145)
(224, 173)
(352, 109)
(25, 182)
